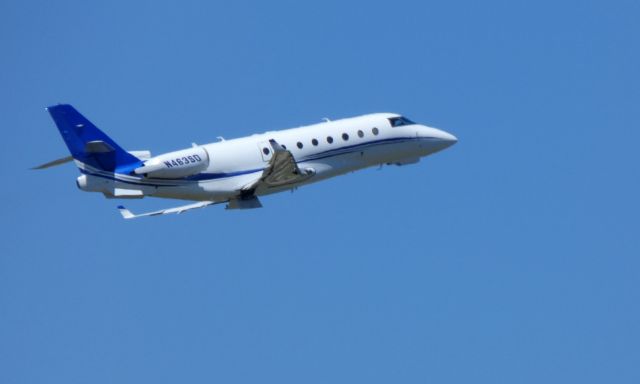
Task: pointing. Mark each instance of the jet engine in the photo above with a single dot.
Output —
(176, 164)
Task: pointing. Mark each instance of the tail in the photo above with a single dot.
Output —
(87, 143)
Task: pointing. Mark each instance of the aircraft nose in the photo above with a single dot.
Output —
(445, 138)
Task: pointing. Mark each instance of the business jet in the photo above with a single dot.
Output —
(236, 172)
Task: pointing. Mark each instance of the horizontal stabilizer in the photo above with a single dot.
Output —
(54, 163)
(127, 214)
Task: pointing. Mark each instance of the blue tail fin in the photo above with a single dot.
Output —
(87, 143)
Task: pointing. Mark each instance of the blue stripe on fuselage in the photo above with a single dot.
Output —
(352, 148)
(213, 176)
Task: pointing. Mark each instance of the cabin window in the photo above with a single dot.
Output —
(400, 121)
(265, 151)
(345, 137)
(299, 145)
(314, 142)
(329, 139)
(375, 131)
(360, 134)
(283, 146)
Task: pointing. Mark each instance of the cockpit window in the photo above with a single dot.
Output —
(400, 121)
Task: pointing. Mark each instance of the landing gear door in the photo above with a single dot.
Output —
(265, 151)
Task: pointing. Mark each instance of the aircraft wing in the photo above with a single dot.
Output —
(282, 170)
(201, 204)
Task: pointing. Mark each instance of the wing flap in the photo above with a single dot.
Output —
(246, 203)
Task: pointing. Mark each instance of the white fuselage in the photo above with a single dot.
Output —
(324, 150)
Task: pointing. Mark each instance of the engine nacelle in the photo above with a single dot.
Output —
(176, 164)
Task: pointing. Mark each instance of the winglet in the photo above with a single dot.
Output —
(125, 212)
(276, 147)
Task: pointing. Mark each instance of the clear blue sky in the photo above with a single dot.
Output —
(512, 257)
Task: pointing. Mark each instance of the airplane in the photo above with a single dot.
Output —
(238, 171)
